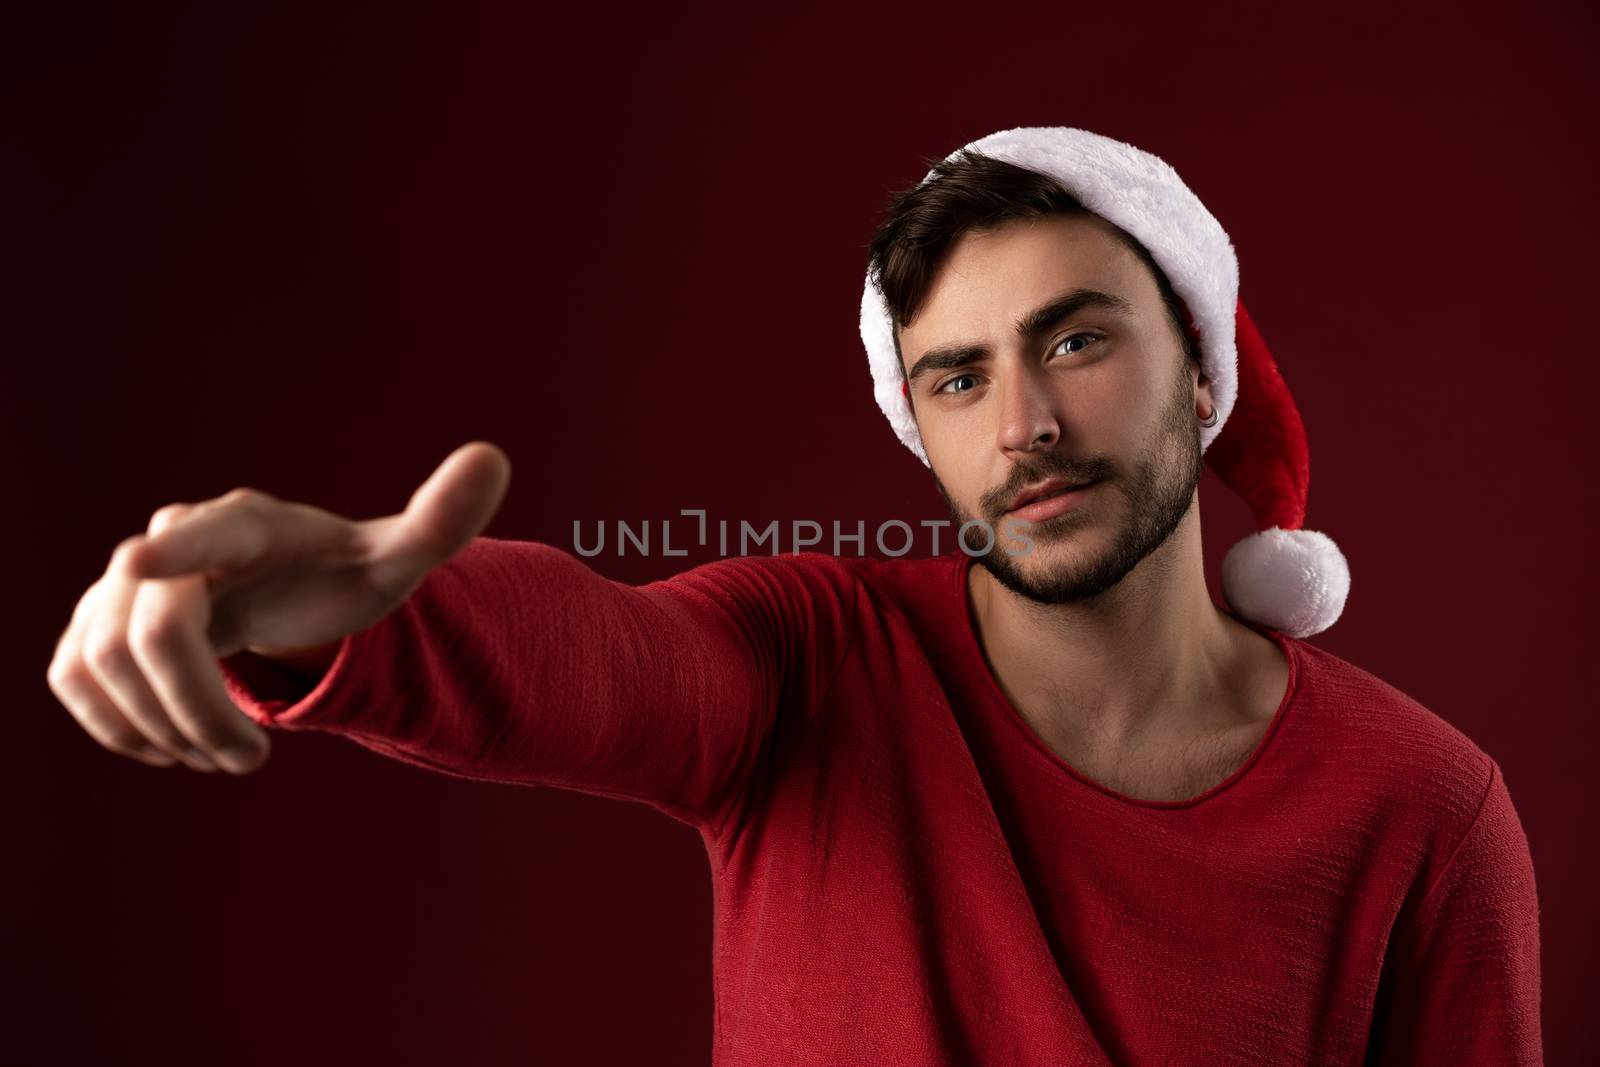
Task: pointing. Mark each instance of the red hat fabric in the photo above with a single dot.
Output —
(1282, 576)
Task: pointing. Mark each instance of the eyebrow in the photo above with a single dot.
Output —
(1045, 316)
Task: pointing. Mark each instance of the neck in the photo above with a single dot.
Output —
(1151, 657)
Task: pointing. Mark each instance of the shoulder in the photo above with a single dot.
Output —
(861, 577)
(1415, 796)
(927, 583)
(915, 597)
(1412, 765)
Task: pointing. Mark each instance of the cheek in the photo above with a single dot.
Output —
(1116, 403)
(958, 470)
(952, 439)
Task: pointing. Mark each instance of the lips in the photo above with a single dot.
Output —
(1045, 490)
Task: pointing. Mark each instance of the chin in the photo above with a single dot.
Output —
(1059, 569)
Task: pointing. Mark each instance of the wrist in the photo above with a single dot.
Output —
(310, 662)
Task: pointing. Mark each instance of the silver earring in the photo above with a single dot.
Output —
(1212, 421)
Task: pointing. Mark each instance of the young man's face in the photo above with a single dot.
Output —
(1102, 393)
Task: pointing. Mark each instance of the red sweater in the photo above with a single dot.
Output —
(905, 874)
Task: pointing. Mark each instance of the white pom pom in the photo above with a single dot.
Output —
(1294, 581)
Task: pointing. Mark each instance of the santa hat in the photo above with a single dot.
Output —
(1282, 576)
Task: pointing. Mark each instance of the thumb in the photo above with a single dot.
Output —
(447, 511)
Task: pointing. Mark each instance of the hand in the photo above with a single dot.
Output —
(137, 663)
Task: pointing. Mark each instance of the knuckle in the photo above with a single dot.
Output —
(245, 494)
(253, 511)
(166, 515)
(119, 555)
(105, 654)
(64, 676)
(83, 608)
(156, 631)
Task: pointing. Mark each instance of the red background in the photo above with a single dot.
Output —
(312, 251)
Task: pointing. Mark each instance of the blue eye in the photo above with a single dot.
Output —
(1073, 337)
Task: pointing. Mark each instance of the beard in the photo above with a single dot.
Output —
(1159, 492)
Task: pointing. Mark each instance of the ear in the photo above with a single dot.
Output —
(1202, 391)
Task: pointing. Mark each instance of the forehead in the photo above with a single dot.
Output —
(989, 279)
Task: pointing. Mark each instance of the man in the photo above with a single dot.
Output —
(1054, 808)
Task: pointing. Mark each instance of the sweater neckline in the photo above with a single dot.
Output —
(1289, 646)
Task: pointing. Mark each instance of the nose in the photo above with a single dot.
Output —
(1028, 420)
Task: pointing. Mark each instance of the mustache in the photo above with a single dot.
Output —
(1050, 465)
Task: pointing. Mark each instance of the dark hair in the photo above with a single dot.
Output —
(975, 191)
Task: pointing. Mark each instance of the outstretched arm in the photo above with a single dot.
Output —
(516, 662)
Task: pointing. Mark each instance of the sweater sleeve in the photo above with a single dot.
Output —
(1461, 983)
(515, 662)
